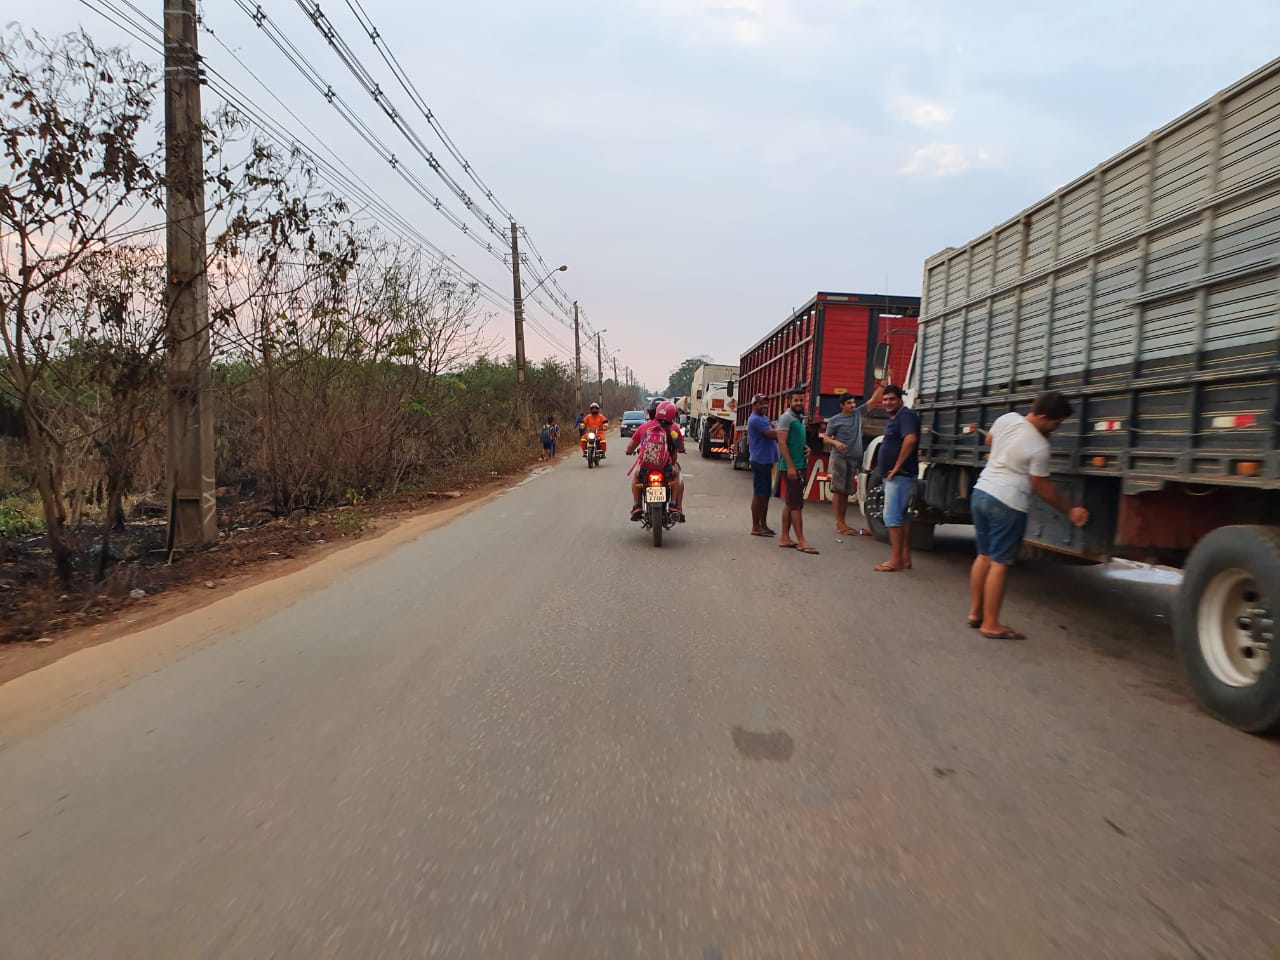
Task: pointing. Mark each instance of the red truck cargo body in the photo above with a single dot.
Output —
(825, 349)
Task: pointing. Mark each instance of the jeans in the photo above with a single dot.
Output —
(897, 497)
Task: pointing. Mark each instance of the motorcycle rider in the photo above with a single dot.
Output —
(597, 421)
(662, 418)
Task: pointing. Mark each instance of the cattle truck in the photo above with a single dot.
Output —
(824, 349)
(1148, 292)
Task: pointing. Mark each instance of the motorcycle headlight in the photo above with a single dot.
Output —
(591, 436)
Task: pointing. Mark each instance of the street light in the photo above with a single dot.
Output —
(560, 269)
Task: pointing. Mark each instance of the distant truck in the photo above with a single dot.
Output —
(1148, 292)
(826, 350)
(712, 406)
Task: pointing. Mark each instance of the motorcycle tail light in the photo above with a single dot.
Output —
(655, 477)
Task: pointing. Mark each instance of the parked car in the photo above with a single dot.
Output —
(630, 420)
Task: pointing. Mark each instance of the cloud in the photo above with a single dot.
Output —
(947, 160)
(751, 24)
(920, 112)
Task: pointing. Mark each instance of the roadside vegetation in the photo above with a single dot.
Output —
(351, 373)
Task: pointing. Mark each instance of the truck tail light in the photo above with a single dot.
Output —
(1105, 426)
(1248, 468)
(1234, 422)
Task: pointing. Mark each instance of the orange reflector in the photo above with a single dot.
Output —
(1248, 468)
(1099, 461)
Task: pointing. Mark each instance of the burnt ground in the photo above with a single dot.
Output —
(42, 619)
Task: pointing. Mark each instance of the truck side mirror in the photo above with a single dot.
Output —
(880, 363)
(699, 394)
(729, 387)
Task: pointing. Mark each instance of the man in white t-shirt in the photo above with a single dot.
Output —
(1017, 466)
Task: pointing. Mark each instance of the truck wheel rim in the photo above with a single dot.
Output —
(1236, 628)
(875, 502)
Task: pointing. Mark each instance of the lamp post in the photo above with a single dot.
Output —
(519, 302)
(600, 369)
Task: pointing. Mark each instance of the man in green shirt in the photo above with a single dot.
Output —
(794, 467)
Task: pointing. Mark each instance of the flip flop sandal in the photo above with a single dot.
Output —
(973, 623)
(786, 546)
(807, 550)
(1004, 635)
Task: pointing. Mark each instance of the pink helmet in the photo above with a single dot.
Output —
(667, 411)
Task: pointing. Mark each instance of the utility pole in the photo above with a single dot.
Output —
(190, 469)
(519, 305)
(577, 362)
(615, 371)
(600, 371)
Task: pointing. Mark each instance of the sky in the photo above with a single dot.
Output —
(705, 166)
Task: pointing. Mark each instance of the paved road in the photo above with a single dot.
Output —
(491, 743)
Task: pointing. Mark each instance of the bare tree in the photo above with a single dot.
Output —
(71, 115)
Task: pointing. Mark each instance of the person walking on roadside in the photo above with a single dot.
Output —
(1017, 466)
(548, 434)
(762, 446)
(794, 467)
(844, 436)
(899, 464)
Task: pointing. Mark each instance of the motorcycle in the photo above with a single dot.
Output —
(657, 515)
(592, 452)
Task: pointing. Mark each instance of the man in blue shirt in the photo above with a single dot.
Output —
(763, 449)
(899, 464)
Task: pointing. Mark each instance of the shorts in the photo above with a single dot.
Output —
(897, 498)
(844, 475)
(792, 490)
(761, 479)
(998, 528)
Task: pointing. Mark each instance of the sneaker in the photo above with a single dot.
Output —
(637, 511)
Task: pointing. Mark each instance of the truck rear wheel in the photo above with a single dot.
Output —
(874, 508)
(1225, 625)
(704, 445)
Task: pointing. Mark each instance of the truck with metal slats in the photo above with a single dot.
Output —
(1148, 292)
(825, 350)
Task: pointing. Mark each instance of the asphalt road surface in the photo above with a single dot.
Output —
(529, 733)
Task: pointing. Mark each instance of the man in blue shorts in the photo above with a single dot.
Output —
(763, 449)
(1018, 464)
(899, 464)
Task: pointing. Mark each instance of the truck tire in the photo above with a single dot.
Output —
(1224, 625)
(874, 510)
(704, 445)
(742, 455)
(922, 535)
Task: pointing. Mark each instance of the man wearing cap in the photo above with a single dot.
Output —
(844, 436)
(763, 449)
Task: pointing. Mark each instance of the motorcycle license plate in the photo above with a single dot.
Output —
(655, 494)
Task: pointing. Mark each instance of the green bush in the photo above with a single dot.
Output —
(16, 522)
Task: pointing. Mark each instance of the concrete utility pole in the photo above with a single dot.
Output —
(192, 516)
(600, 370)
(615, 371)
(519, 304)
(577, 362)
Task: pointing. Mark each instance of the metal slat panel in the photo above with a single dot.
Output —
(980, 277)
(1247, 233)
(935, 290)
(1168, 330)
(952, 347)
(1174, 257)
(1251, 133)
(956, 278)
(974, 352)
(1008, 241)
(1071, 291)
(1040, 239)
(1182, 167)
(1113, 318)
(1122, 196)
(1076, 233)
(1033, 331)
(1243, 314)
(1001, 349)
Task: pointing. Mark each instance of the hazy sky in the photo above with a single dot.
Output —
(705, 165)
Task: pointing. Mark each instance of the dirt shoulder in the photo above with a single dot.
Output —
(60, 624)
